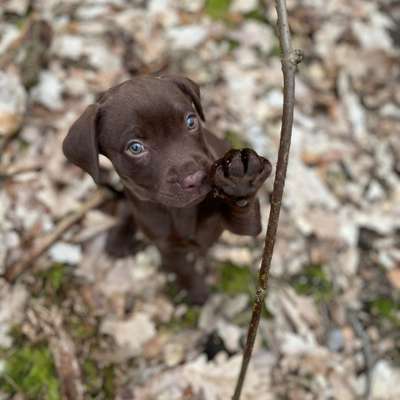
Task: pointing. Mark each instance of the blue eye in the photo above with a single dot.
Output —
(136, 148)
(191, 121)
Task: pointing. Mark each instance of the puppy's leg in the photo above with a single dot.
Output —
(236, 178)
(184, 265)
(121, 240)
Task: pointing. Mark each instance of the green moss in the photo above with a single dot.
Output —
(92, 379)
(385, 308)
(233, 44)
(79, 327)
(234, 279)
(313, 281)
(52, 279)
(30, 371)
(191, 317)
(187, 321)
(235, 140)
(217, 9)
(258, 15)
(109, 382)
(99, 382)
(56, 276)
(174, 292)
(276, 51)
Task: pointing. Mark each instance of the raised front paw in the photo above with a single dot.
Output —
(239, 174)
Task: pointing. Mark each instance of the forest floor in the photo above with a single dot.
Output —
(79, 325)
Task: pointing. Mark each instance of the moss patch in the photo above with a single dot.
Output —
(99, 382)
(51, 282)
(313, 281)
(257, 14)
(234, 279)
(217, 9)
(55, 276)
(385, 308)
(235, 140)
(30, 371)
(232, 45)
(80, 328)
(188, 320)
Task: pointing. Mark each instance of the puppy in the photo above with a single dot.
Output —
(183, 184)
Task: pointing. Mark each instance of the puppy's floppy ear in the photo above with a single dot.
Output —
(80, 146)
(190, 88)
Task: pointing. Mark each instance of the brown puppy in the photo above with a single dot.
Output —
(183, 185)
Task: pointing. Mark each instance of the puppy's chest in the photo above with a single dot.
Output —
(181, 227)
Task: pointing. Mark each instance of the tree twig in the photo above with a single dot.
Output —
(359, 330)
(63, 349)
(290, 59)
(43, 244)
(11, 172)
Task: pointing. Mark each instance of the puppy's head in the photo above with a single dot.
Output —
(150, 128)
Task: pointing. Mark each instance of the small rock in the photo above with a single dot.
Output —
(66, 253)
(354, 109)
(12, 303)
(373, 35)
(9, 33)
(230, 334)
(238, 255)
(233, 306)
(394, 277)
(131, 334)
(385, 382)
(173, 354)
(335, 340)
(208, 316)
(19, 7)
(375, 192)
(92, 11)
(68, 46)
(255, 34)
(49, 90)
(274, 99)
(191, 5)
(102, 58)
(12, 103)
(187, 36)
(243, 6)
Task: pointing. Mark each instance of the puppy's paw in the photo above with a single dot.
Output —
(239, 174)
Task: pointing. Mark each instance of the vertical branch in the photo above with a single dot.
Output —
(290, 59)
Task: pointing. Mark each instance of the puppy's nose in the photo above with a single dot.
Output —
(194, 180)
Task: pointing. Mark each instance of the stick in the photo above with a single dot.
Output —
(366, 349)
(11, 172)
(63, 349)
(13, 271)
(290, 59)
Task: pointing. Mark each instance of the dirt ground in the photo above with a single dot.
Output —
(79, 325)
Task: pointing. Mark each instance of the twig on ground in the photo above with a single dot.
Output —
(44, 243)
(290, 59)
(366, 350)
(63, 350)
(12, 171)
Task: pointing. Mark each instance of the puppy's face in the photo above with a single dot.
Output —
(150, 128)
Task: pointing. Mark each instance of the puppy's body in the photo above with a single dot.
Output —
(183, 187)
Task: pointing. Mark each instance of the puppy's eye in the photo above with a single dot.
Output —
(191, 121)
(136, 148)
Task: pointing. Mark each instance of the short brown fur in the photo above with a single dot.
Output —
(184, 188)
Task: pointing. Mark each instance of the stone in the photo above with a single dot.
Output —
(12, 103)
(187, 37)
